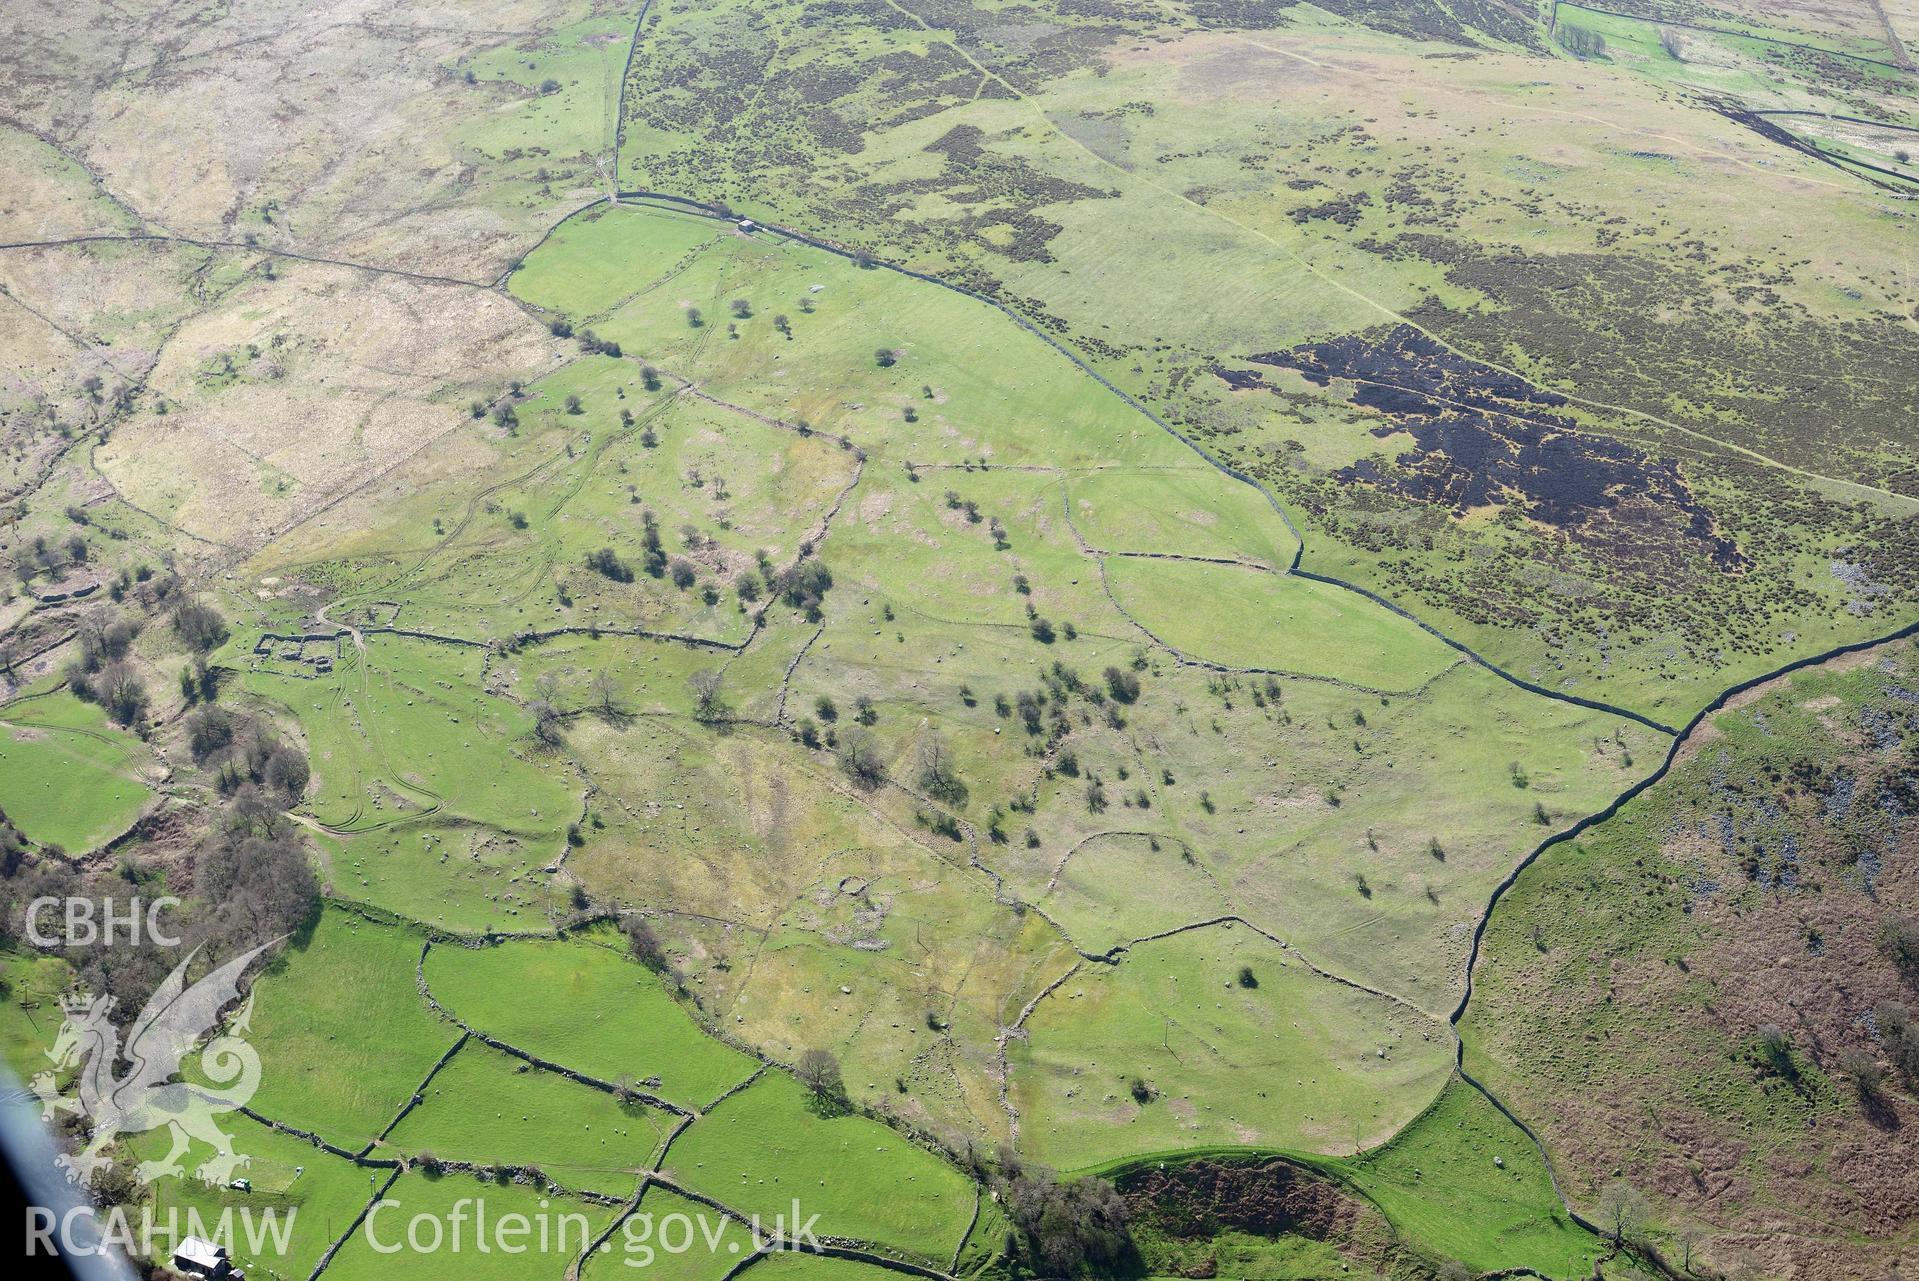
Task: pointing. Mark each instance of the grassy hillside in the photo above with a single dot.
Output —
(1067, 565)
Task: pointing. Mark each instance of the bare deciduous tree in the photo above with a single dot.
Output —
(709, 701)
(608, 698)
(860, 758)
(1623, 1211)
(937, 777)
(819, 1072)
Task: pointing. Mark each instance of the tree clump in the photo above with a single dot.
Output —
(804, 588)
(644, 945)
(199, 625)
(1123, 685)
(1581, 42)
(1899, 940)
(607, 563)
(1062, 1229)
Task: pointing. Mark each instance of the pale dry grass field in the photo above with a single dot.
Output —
(330, 128)
(80, 326)
(47, 195)
(336, 375)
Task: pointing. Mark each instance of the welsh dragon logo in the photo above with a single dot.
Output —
(145, 1096)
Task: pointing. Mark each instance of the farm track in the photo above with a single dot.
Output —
(79, 731)
(241, 246)
(346, 707)
(473, 505)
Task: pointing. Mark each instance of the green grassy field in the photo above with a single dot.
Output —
(453, 874)
(403, 731)
(446, 805)
(67, 776)
(1166, 513)
(1245, 1254)
(587, 267)
(34, 985)
(1465, 1182)
(997, 393)
(1241, 618)
(489, 1108)
(671, 1238)
(767, 1147)
(850, 929)
(455, 1225)
(1156, 1053)
(920, 663)
(314, 1195)
(343, 1036)
(789, 1265)
(562, 87)
(583, 1005)
(1093, 894)
(1460, 1183)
